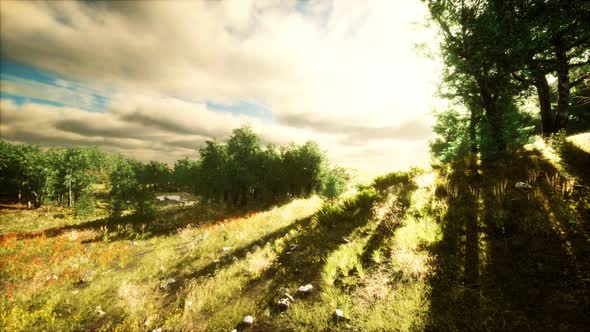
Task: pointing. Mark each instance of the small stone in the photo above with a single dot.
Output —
(159, 329)
(99, 311)
(345, 240)
(234, 330)
(523, 185)
(305, 289)
(288, 253)
(288, 297)
(248, 320)
(284, 303)
(338, 314)
(216, 260)
(294, 246)
(226, 248)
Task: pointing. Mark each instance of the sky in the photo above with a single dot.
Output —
(155, 79)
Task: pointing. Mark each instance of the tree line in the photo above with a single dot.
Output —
(501, 54)
(239, 172)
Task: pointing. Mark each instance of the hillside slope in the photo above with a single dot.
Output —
(461, 248)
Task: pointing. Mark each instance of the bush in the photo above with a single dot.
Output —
(383, 182)
(334, 182)
(85, 205)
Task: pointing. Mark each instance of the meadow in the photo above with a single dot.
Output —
(455, 248)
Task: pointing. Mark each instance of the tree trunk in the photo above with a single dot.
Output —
(472, 133)
(563, 87)
(69, 192)
(492, 113)
(544, 95)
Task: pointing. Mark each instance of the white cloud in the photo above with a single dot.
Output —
(341, 72)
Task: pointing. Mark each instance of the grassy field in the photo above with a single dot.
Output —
(459, 248)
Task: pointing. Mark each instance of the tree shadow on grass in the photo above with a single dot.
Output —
(225, 260)
(454, 303)
(525, 278)
(304, 265)
(576, 162)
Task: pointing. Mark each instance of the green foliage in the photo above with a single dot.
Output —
(24, 172)
(156, 175)
(242, 171)
(497, 53)
(185, 175)
(452, 139)
(334, 182)
(400, 179)
(128, 190)
(85, 205)
(517, 129)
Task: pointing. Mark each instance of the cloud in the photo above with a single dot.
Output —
(179, 131)
(341, 72)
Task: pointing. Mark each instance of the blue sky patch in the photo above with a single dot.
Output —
(22, 83)
(245, 108)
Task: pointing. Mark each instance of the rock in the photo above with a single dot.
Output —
(305, 289)
(294, 247)
(523, 185)
(284, 303)
(216, 260)
(225, 248)
(99, 311)
(338, 314)
(345, 240)
(248, 320)
(234, 330)
(159, 329)
(288, 297)
(288, 253)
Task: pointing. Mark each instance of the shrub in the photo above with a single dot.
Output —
(85, 205)
(334, 182)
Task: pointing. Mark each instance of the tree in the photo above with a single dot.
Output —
(24, 172)
(215, 177)
(186, 175)
(243, 151)
(549, 38)
(334, 181)
(156, 175)
(128, 191)
(76, 170)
